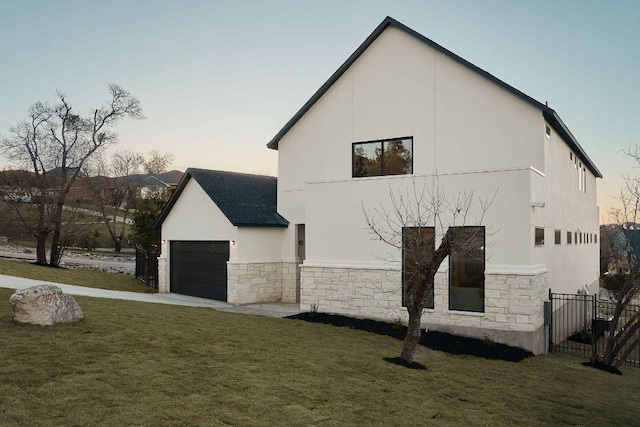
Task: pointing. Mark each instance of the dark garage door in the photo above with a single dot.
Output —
(199, 269)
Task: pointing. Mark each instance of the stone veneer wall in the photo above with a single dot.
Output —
(261, 282)
(513, 303)
(162, 275)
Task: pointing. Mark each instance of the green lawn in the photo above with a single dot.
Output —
(131, 363)
(88, 278)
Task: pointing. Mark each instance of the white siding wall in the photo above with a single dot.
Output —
(479, 135)
(337, 234)
(566, 208)
(195, 217)
(259, 244)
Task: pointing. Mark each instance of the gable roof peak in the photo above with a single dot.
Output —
(245, 199)
(549, 114)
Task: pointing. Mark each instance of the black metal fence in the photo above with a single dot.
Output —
(578, 319)
(147, 266)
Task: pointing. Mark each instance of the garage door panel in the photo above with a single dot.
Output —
(200, 268)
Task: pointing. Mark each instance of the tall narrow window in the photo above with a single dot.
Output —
(557, 237)
(418, 245)
(385, 157)
(466, 269)
(569, 234)
(539, 236)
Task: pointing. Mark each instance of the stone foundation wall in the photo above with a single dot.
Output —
(162, 275)
(261, 282)
(290, 281)
(513, 312)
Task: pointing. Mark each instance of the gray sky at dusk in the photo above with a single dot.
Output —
(218, 79)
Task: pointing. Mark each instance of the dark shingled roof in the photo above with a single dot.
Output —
(549, 114)
(246, 200)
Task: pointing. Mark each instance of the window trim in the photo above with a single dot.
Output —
(381, 141)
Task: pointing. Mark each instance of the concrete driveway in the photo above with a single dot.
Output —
(262, 309)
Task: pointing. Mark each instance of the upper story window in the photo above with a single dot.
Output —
(384, 157)
(547, 131)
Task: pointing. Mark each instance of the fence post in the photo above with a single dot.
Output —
(550, 342)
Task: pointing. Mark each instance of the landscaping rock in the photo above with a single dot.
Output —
(44, 305)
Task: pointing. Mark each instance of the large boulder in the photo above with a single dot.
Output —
(44, 305)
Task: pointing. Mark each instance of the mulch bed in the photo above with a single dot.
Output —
(440, 341)
(603, 367)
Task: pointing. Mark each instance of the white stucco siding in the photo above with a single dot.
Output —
(194, 216)
(480, 126)
(401, 87)
(393, 96)
(566, 208)
(337, 234)
(319, 145)
(259, 244)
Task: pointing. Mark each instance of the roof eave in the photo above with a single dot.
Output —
(556, 122)
(262, 225)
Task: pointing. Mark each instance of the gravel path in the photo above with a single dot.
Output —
(108, 263)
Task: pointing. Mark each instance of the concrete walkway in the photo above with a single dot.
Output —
(263, 309)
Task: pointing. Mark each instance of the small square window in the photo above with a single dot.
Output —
(557, 237)
(569, 235)
(539, 236)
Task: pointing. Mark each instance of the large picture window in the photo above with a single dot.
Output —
(466, 269)
(384, 157)
(418, 245)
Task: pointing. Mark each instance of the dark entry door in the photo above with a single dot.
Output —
(199, 269)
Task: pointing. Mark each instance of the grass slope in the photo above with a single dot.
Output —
(131, 363)
(88, 278)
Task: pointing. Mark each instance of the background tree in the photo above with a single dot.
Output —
(115, 189)
(54, 144)
(416, 219)
(625, 325)
(157, 163)
(611, 241)
(144, 234)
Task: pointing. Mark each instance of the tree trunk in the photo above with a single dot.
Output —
(413, 334)
(118, 244)
(41, 248)
(54, 258)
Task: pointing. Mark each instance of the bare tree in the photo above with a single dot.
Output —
(157, 163)
(415, 220)
(54, 144)
(115, 191)
(625, 325)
